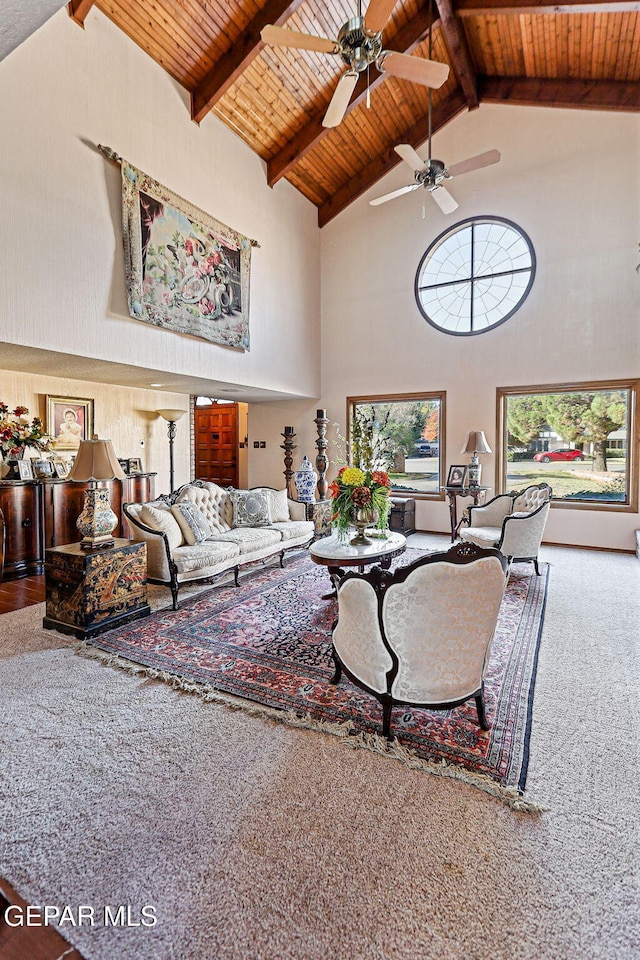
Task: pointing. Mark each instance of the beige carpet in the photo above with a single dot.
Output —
(255, 840)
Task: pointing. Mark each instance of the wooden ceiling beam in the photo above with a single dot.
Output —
(477, 8)
(456, 42)
(233, 63)
(405, 41)
(583, 94)
(78, 10)
(416, 135)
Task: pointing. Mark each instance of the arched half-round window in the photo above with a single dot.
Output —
(475, 275)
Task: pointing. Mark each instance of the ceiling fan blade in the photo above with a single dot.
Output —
(281, 37)
(410, 156)
(474, 163)
(394, 194)
(430, 73)
(378, 12)
(340, 99)
(444, 199)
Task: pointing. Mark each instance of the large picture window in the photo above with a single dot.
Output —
(579, 438)
(409, 431)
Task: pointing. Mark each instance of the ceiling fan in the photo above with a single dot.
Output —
(430, 174)
(359, 44)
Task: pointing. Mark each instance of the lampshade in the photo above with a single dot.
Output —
(171, 415)
(477, 443)
(96, 460)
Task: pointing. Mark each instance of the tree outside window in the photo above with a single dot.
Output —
(409, 428)
(576, 438)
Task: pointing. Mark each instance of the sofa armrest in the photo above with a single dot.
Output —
(158, 552)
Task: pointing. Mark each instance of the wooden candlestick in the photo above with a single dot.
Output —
(288, 446)
(322, 443)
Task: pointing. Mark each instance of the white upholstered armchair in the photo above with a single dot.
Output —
(421, 636)
(512, 523)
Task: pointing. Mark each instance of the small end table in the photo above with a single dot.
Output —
(90, 591)
(335, 554)
(452, 493)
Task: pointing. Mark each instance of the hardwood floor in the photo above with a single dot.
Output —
(16, 594)
(26, 943)
(29, 943)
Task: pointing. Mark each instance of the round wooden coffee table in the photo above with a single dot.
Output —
(336, 554)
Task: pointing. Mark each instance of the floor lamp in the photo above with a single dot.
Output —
(172, 417)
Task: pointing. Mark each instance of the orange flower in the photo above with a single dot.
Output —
(379, 476)
(334, 490)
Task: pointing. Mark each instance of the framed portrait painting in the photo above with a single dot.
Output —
(458, 476)
(69, 420)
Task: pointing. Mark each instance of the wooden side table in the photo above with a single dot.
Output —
(477, 493)
(91, 591)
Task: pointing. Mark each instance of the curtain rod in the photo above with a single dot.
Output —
(116, 158)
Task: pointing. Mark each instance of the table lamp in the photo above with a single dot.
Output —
(96, 460)
(477, 443)
(172, 417)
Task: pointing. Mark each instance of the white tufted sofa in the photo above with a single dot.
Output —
(512, 523)
(172, 561)
(422, 635)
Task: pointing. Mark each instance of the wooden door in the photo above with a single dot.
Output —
(216, 436)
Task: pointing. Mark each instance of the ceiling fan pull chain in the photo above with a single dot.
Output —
(368, 90)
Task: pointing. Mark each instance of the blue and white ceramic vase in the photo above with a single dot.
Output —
(305, 479)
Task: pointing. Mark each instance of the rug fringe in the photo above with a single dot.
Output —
(345, 730)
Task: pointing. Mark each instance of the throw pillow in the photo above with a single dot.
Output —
(192, 521)
(278, 504)
(250, 508)
(164, 522)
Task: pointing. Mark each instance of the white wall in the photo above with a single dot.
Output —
(571, 180)
(64, 91)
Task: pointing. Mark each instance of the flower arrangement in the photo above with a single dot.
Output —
(17, 432)
(357, 493)
(361, 490)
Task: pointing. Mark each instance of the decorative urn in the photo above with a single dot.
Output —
(305, 479)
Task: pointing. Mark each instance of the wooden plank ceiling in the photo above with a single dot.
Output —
(581, 53)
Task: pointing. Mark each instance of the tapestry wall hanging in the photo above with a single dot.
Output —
(184, 270)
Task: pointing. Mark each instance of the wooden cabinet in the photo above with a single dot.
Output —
(21, 505)
(42, 514)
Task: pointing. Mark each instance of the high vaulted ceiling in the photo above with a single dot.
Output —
(581, 53)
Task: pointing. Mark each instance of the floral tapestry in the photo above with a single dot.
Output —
(184, 270)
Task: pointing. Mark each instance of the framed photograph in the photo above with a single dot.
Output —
(62, 468)
(43, 469)
(124, 464)
(25, 469)
(135, 465)
(458, 476)
(69, 420)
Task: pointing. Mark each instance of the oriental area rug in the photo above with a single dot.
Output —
(266, 647)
